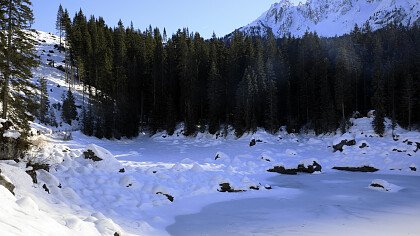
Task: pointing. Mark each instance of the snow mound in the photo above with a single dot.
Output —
(382, 185)
(108, 161)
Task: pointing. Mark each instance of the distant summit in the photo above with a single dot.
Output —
(333, 17)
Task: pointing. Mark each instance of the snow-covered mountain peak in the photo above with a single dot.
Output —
(333, 17)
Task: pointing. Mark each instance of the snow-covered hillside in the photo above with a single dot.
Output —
(140, 186)
(333, 17)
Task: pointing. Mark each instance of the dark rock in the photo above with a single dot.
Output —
(59, 186)
(61, 68)
(116, 234)
(225, 187)
(300, 169)
(9, 186)
(35, 167)
(46, 188)
(217, 157)
(413, 168)
(315, 167)
(254, 188)
(363, 145)
(252, 143)
(398, 150)
(32, 173)
(345, 142)
(122, 170)
(408, 142)
(375, 185)
(89, 154)
(170, 198)
(283, 171)
(265, 159)
(51, 51)
(268, 187)
(357, 169)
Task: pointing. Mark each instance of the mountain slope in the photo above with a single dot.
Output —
(333, 17)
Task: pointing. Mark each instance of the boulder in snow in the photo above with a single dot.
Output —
(356, 169)
(254, 141)
(101, 157)
(225, 187)
(382, 185)
(345, 140)
(33, 167)
(302, 168)
(4, 181)
(168, 196)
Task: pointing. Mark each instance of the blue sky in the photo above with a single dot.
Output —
(203, 16)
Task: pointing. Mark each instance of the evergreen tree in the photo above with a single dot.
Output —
(409, 99)
(59, 23)
(215, 90)
(44, 103)
(214, 98)
(378, 96)
(69, 110)
(52, 117)
(272, 100)
(87, 119)
(342, 85)
(18, 58)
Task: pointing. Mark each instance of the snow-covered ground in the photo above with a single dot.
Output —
(144, 186)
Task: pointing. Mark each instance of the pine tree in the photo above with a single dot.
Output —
(342, 85)
(44, 103)
(214, 98)
(52, 117)
(87, 119)
(271, 115)
(379, 93)
(327, 117)
(18, 57)
(69, 110)
(214, 90)
(409, 99)
(59, 23)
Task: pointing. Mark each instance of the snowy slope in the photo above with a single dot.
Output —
(333, 17)
(56, 80)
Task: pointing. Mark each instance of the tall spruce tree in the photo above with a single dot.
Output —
(379, 93)
(18, 58)
(59, 23)
(69, 110)
(44, 103)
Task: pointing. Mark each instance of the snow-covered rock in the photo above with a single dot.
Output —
(383, 185)
(106, 159)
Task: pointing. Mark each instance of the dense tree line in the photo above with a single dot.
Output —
(146, 80)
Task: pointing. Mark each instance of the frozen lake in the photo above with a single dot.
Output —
(328, 204)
